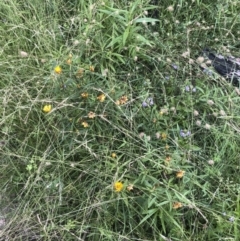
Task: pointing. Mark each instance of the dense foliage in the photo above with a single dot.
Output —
(109, 129)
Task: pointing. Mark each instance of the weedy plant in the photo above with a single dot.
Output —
(110, 129)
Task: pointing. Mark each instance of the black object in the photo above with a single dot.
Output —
(228, 67)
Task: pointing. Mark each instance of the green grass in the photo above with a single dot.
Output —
(58, 169)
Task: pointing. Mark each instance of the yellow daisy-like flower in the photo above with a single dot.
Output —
(101, 97)
(118, 186)
(91, 115)
(84, 95)
(85, 124)
(58, 70)
(123, 100)
(113, 155)
(47, 108)
(180, 174)
(177, 205)
(91, 68)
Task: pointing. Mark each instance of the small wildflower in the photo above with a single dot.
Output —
(177, 205)
(180, 174)
(69, 61)
(91, 115)
(195, 113)
(58, 70)
(47, 108)
(141, 134)
(118, 186)
(167, 147)
(101, 97)
(130, 187)
(231, 219)
(207, 126)
(158, 135)
(210, 102)
(123, 100)
(222, 113)
(198, 123)
(200, 60)
(91, 68)
(211, 162)
(186, 54)
(85, 124)
(23, 54)
(84, 95)
(191, 61)
(168, 159)
(170, 8)
(144, 104)
(76, 42)
(104, 73)
(175, 66)
(184, 133)
(135, 58)
(187, 88)
(79, 73)
(164, 136)
(117, 102)
(163, 111)
(194, 89)
(148, 102)
(173, 109)
(113, 155)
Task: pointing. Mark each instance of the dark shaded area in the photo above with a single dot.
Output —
(228, 67)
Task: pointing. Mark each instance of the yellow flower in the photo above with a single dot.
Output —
(91, 68)
(118, 186)
(167, 147)
(79, 73)
(113, 155)
(58, 70)
(180, 174)
(164, 136)
(91, 115)
(130, 187)
(47, 108)
(101, 97)
(123, 100)
(177, 205)
(85, 124)
(84, 95)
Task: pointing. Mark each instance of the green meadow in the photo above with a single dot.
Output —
(110, 129)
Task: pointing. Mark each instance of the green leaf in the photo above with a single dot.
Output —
(146, 20)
